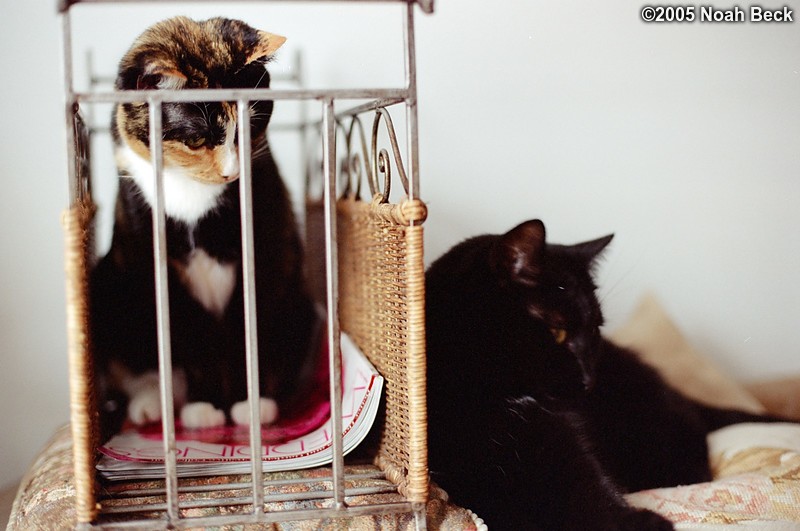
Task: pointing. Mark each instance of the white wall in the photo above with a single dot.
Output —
(683, 140)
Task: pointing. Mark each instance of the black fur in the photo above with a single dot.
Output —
(535, 429)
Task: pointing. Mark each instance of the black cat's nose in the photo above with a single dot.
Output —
(588, 381)
(587, 374)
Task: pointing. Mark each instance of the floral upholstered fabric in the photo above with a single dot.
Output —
(757, 482)
(46, 498)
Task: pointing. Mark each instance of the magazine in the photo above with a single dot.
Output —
(138, 453)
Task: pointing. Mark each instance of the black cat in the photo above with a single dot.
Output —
(535, 420)
(204, 249)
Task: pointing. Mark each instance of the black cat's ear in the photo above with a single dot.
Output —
(267, 45)
(592, 250)
(519, 252)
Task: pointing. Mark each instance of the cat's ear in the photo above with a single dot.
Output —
(519, 252)
(592, 250)
(267, 45)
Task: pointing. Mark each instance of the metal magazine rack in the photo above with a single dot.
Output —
(371, 279)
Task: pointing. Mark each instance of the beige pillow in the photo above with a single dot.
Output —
(780, 397)
(651, 333)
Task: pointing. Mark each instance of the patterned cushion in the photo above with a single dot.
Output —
(757, 482)
(46, 498)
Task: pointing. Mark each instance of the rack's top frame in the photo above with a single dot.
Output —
(64, 5)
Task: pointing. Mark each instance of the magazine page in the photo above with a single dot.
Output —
(138, 453)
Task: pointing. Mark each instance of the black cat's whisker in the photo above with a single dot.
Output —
(525, 401)
(260, 150)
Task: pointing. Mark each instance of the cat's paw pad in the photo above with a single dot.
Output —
(240, 412)
(145, 407)
(201, 415)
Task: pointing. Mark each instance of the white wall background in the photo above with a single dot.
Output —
(683, 139)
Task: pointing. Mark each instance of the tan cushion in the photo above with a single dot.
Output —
(780, 397)
(652, 334)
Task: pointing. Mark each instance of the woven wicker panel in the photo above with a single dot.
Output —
(77, 223)
(381, 304)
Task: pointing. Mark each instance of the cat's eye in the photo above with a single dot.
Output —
(195, 143)
(559, 334)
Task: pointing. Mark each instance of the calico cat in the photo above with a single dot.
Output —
(535, 420)
(201, 195)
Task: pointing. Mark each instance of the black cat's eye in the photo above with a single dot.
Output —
(559, 334)
(195, 143)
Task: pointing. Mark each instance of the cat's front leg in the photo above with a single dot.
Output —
(195, 415)
(145, 401)
(551, 476)
(268, 411)
(145, 406)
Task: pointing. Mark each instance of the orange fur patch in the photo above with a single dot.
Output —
(268, 44)
(204, 164)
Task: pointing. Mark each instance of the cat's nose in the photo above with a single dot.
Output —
(588, 382)
(230, 166)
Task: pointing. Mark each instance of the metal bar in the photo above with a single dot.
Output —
(411, 104)
(64, 5)
(305, 155)
(250, 328)
(420, 516)
(157, 491)
(332, 282)
(426, 6)
(273, 517)
(69, 110)
(369, 106)
(162, 312)
(247, 500)
(210, 95)
(98, 79)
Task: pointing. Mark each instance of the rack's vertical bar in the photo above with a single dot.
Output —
(84, 491)
(69, 107)
(301, 82)
(162, 311)
(250, 322)
(91, 78)
(411, 103)
(418, 417)
(332, 283)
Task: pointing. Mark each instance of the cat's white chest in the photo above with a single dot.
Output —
(209, 281)
(185, 198)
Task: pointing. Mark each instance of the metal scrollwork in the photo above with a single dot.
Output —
(357, 166)
(381, 163)
(359, 161)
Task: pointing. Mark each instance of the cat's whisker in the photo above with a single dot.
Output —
(204, 112)
(260, 150)
(261, 78)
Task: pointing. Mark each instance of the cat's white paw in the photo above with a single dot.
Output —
(145, 406)
(201, 415)
(240, 412)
